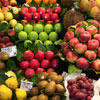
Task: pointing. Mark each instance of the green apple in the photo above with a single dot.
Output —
(57, 27)
(38, 28)
(18, 27)
(26, 42)
(28, 28)
(48, 28)
(53, 36)
(22, 35)
(43, 36)
(48, 42)
(33, 36)
(38, 41)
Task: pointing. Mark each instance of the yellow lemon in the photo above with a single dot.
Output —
(1, 16)
(13, 22)
(11, 73)
(8, 16)
(15, 10)
(5, 93)
(21, 94)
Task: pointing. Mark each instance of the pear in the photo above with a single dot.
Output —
(98, 3)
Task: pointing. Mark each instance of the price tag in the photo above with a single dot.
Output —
(64, 74)
(9, 75)
(11, 51)
(26, 85)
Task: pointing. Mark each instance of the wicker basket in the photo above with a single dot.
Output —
(68, 3)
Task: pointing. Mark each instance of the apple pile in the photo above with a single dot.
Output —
(38, 62)
(48, 15)
(82, 45)
(81, 88)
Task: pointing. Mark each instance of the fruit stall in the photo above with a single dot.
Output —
(49, 49)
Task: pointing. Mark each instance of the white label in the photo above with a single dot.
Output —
(9, 75)
(64, 74)
(11, 51)
(26, 85)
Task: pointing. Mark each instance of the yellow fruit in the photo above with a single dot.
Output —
(38, 2)
(4, 10)
(98, 3)
(21, 94)
(0, 9)
(11, 73)
(46, 1)
(8, 16)
(5, 93)
(15, 10)
(1, 16)
(12, 82)
(28, 2)
(13, 22)
(52, 1)
(9, 7)
(4, 22)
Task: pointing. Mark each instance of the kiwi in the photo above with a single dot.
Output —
(42, 97)
(33, 98)
(60, 79)
(56, 97)
(53, 73)
(3, 56)
(34, 91)
(60, 88)
(2, 65)
(50, 88)
(42, 76)
(42, 84)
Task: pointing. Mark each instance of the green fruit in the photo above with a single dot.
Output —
(28, 28)
(47, 42)
(43, 36)
(33, 36)
(57, 27)
(38, 41)
(53, 36)
(26, 42)
(18, 27)
(48, 28)
(22, 36)
(38, 28)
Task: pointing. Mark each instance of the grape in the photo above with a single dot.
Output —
(83, 78)
(80, 95)
(91, 87)
(70, 82)
(78, 78)
(74, 90)
(83, 90)
(80, 82)
(89, 92)
(69, 88)
(88, 98)
(74, 86)
(90, 80)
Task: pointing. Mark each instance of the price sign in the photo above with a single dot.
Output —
(11, 51)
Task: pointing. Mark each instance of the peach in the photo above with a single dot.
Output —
(85, 36)
(96, 65)
(11, 32)
(64, 45)
(80, 23)
(80, 48)
(69, 35)
(94, 22)
(82, 63)
(79, 30)
(99, 52)
(93, 44)
(66, 50)
(97, 37)
(71, 28)
(89, 54)
(93, 3)
(92, 29)
(73, 42)
(4, 10)
(71, 57)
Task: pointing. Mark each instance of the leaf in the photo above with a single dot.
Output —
(89, 20)
(42, 4)
(50, 47)
(83, 25)
(63, 11)
(59, 42)
(73, 69)
(35, 79)
(54, 5)
(33, 4)
(42, 91)
(14, 96)
(4, 26)
(48, 6)
(77, 5)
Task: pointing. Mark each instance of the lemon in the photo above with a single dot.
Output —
(11, 73)
(13, 22)
(12, 82)
(8, 16)
(15, 10)
(21, 94)
(1, 16)
(5, 93)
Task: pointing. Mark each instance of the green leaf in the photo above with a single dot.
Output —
(77, 5)
(73, 69)
(33, 4)
(42, 91)
(4, 26)
(59, 42)
(35, 79)
(14, 96)
(83, 25)
(89, 20)
(63, 11)
(42, 4)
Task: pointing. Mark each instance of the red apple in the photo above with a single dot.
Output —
(54, 64)
(89, 54)
(28, 16)
(5, 39)
(95, 22)
(79, 30)
(64, 45)
(45, 63)
(97, 37)
(24, 10)
(2, 45)
(71, 57)
(5, 3)
(50, 70)
(56, 21)
(36, 17)
(41, 10)
(39, 70)
(66, 50)
(80, 48)
(49, 10)
(48, 22)
(11, 32)
(24, 64)
(93, 44)
(57, 10)
(73, 41)
(49, 55)
(29, 72)
(99, 52)
(82, 63)
(54, 17)
(34, 64)
(32, 10)
(46, 17)
(9, 44)
(24, 21)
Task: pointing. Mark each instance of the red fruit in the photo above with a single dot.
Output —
(90, 80)
(24, 64)
(2, 45)
(57, 10)
(74, 90)
(39, 70)
(80, 23)
(88, 98)
(29, 72)
(82, 63)
(66, 50)
(32, 10)
(48, 22)
(0, 39)
(95, 22)
(28, 55)
(24, 10)
(5, 39)
(36, 17)
(46, 17)
(9, 44)
(79, 30)
(45, 63)
(69, 35)
(93, 44)
(97, 37)
(39, 55)
(28, 16)
(64, 45)
(1, 33)
(5, 3)
(41, 10)
(99, 52)
(56, 21)
(50, 70)
(54, 17)
(24, 21)
(49, 10)
(50, 55)
(73, 41)
(54, 64)
(34, 63)
(83, 90)
(11, 32)
(80, 95)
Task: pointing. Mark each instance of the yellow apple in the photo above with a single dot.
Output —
(13, 22)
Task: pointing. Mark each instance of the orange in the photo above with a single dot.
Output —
(46, 1)
(38, 2)
(52, 1)
(28, 2)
